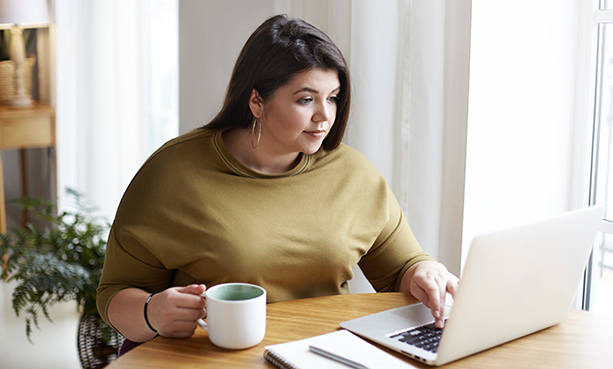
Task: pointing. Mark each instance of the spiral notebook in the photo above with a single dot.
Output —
(296, 354)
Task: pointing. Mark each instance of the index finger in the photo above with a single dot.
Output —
(191, 296)
(193, 289)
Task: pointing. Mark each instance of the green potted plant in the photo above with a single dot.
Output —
(59, 257)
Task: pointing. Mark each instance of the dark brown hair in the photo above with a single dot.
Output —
(278, 50)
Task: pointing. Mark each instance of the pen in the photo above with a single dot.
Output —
(335, 357)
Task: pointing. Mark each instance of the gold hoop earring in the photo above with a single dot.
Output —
(255, 144)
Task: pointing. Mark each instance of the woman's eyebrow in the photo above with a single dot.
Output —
(312, 90)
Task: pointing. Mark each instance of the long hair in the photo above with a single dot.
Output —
(279, 49)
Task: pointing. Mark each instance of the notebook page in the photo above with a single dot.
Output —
(296, 354)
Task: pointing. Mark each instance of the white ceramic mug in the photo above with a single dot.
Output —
(235, 315)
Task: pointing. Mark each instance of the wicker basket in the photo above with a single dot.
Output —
(7, 78)
(97, 343)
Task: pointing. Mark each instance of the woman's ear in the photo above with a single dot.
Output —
(256, 104)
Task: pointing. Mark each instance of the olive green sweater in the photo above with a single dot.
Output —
(195, 214)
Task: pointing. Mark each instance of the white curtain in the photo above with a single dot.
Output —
(399, 58)
(117, 91)
(397, 116)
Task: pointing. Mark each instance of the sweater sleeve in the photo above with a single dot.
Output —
(394, 251)
(146, 235)
(124, 269)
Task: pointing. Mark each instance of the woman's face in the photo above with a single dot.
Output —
(300, 114)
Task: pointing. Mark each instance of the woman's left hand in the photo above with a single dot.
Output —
(429, 281)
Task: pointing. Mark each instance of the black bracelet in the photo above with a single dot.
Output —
(147, 320)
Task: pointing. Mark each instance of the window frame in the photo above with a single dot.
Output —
(592, 23)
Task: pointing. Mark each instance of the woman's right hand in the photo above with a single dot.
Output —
(174, 312)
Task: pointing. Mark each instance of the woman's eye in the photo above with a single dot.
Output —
(305, 100)
(333, 99)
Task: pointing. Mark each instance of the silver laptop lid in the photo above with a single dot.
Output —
(518, 281)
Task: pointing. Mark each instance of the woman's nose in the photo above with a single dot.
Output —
(323, 112)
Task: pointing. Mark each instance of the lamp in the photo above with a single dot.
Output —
(17, 15)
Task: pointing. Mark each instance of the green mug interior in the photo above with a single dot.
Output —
(234, 292)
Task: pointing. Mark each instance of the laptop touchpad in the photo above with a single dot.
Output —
(416, 314)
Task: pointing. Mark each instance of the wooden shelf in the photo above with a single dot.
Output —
(24, 128)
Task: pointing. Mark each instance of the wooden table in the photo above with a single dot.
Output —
(583, 340)
(24, 128)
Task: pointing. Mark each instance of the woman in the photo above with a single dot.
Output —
(265, 194)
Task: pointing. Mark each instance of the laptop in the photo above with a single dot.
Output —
(515, 282)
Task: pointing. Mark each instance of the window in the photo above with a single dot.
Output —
(598, 296)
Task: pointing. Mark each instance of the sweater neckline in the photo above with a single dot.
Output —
(242, 170)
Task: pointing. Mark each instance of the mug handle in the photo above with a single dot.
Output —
(203, 324)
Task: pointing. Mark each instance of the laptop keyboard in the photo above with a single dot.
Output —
(426, 337)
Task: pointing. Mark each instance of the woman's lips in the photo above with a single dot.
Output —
(316, 133)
